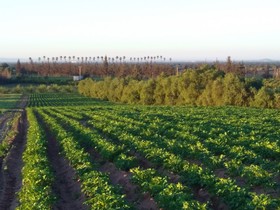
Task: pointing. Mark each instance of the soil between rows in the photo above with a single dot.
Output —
(11, 166)
(65, 187)
(142, 201)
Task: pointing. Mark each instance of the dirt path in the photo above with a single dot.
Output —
(23, 102)
(67, 190)
(65, 187)
(132, 191)
(11, 168)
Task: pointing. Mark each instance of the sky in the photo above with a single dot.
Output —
(180, 29)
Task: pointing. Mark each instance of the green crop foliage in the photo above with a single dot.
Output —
(228, 151)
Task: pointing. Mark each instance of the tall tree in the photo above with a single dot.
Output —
(18, 68)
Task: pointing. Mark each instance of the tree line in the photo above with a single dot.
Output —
(100, 66)
(206, 86)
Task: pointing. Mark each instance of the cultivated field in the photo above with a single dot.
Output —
(81, 153)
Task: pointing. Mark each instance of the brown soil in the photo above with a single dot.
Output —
(132, 191)
(65, 187)
(221, 173)
(123, 179)
(11, 168)
(23, 102)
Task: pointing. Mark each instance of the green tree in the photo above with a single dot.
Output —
(234, 90)
(264, 98)
(147, 92)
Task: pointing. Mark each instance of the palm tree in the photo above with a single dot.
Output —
(44, 58)
(39, 59)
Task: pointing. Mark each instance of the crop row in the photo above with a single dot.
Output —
(8, 101)
(37, 176)
(189, 146)
(94, 184)
(233, 195)
(60, 99)
(168, 195)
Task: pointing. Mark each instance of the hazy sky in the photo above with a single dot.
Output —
(181, 29)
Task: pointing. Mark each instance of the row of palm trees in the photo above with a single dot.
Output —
(74, 59)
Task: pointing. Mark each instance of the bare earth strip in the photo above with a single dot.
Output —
(23, 102)
(11, 168)
(65, 187)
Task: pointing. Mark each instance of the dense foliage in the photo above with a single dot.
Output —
(206, 87)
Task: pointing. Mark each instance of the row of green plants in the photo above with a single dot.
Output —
(235, 196)
(9, 101)
(245, 138)
(10, 134)
(190, 146)
(100, 194)
(168, 195)
(37, 176)
(61, 99)
(160, 155)
(195, 133)
(204, 87)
